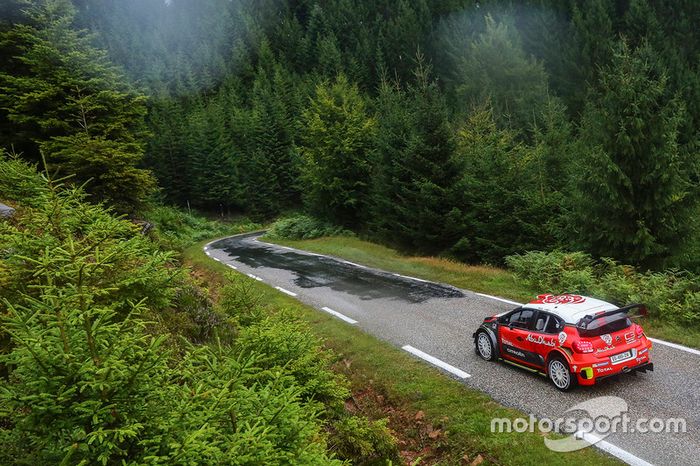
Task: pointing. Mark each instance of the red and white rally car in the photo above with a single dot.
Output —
(571, 339)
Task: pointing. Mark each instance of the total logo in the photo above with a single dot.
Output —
(540, 340)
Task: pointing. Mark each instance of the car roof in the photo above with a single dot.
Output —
(569, 307)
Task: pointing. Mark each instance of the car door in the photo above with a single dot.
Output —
(543, 336)
(513, 336)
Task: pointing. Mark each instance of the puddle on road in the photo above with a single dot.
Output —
(315, 271)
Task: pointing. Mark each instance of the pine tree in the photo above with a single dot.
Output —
(335, 139)
(66, 98)
(413, 195)
(494, 68)
(636, 185)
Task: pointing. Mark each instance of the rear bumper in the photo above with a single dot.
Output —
(587, 375)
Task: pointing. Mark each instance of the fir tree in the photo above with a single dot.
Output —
(416, 171)
(65, 97)
(636, 184)
(335, 145)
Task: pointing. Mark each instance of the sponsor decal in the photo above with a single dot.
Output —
(603, 350)
(604, 369)
(540, 340)
(559, 299)
(607, 338)
(515, 352)
(562, 338)
(507, 342)
(629, 337)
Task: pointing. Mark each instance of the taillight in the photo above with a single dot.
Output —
(639, 331)
(582, 346)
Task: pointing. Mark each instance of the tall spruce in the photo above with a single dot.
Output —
(336, 143)
(416, 172)
(636, 183)
(67, 100)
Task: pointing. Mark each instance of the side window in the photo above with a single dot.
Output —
(522, 319)
(542, 321)
(554, 325)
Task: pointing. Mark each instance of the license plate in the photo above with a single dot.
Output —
(620, 357)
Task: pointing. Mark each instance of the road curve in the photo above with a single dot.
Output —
(438, 320)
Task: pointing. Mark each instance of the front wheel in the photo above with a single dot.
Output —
(484, 346)
(559, 374)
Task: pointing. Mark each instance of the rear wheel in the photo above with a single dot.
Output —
(559, 374)
(484, 346)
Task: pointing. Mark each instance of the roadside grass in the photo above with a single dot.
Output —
(462, 415)
(483, 279)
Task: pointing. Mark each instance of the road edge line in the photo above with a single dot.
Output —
(339, 315)
(436, 362)
(285, 291)
(613, 450)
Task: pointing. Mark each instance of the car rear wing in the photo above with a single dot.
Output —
(585, 321)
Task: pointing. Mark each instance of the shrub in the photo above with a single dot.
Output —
(671, 295)
(241, 300)
(19, 181)
(362, 440)
(554, 272)
(304, 227)
(177, 229)
(287, 345)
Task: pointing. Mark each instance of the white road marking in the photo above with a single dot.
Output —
(208, 253)
(499, 299)
(436, 362)
(356, 265)
(206, 248)
(290, 293)
(287, 247)
(676, 346)
(412, 278)
(255, 277)
(232, 266)
(339, 315)
(614, 450)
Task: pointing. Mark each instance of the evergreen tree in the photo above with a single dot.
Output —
(510, 191)
(336, 140)
(414, 203)
(65, 97)
(492, 67)
(636, 184)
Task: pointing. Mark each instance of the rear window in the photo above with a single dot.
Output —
(605, 324)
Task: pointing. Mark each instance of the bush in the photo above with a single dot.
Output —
(84, 382)
(176, 229)
(672, 295)
(554, 272)
(19, 181)
(363, 440)
(287, 345)
(304, 227)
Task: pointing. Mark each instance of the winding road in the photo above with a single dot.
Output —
(435, 322)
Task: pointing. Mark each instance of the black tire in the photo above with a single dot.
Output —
(560, 375)
(483, 345)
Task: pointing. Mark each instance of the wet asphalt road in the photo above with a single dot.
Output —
(440, 319)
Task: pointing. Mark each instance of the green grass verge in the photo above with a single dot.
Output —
(462, 413)
(483, 279)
